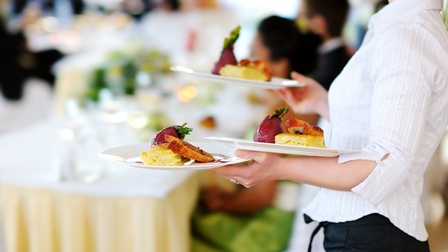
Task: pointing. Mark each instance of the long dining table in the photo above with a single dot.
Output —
(114, 208)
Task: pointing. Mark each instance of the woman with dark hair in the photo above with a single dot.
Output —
(280, 43)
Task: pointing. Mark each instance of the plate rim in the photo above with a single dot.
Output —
(246, 144)
(196, 167)
(219, 78)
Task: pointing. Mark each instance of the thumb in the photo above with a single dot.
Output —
(246, 154)
(300, 78)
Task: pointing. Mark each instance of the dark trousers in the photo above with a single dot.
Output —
(370, 233)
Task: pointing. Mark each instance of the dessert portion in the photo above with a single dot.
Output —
(227, 56)
(299, 132)
(159, 155)
(169, 149)
(302, 134)
(187, 150)
(300, 140)
(251, 70)
(270, 127)
(227, 65)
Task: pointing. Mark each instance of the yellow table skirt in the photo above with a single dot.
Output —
(42, 220)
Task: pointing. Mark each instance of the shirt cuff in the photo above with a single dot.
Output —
(383, 179)
(368, 153)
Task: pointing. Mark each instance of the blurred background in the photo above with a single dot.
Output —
(79, 76)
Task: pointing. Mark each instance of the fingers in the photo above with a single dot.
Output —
(256, 157)
(281, 92)
(292, 97)
(230, 171)
(257, 171)
(246, 154)
(239, 174)
(304, 80)
(300, 78)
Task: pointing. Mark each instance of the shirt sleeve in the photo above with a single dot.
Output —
(401, 96)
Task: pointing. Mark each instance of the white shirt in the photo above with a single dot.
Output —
(392, 97)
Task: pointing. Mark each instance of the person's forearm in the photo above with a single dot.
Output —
(326, 172)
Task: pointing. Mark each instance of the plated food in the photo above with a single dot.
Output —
(247, 69)
(244, 73)
(245, 144)
(227, 54)
(300, 138)
(274, 83)
(302, 134)
(130, 155)
(228, 66)
(299, 132)
(169, 149)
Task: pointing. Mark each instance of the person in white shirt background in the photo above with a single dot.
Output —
(390, 103)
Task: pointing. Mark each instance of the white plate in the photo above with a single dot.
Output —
(130, 155)
(280, 148)
(275, 83)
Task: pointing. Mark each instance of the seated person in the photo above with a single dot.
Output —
(19, 63)
(254, 219)
(25, 87)
(14, 68)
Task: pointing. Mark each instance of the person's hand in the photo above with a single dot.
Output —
(263, 167)
(310, 99)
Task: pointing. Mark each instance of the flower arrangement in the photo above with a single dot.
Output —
(120, 70)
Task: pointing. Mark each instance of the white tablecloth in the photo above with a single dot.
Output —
(28, 156)
(35, 104)
(126, 209)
